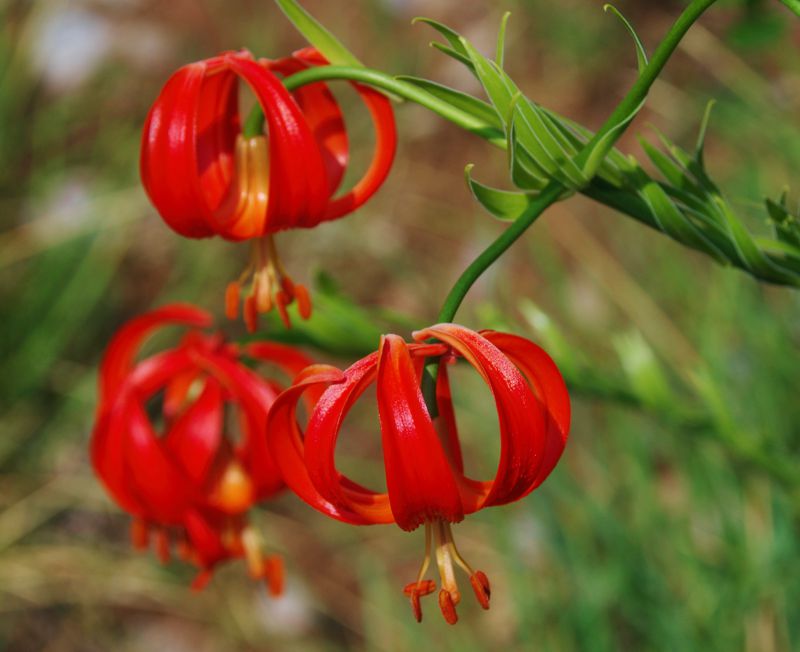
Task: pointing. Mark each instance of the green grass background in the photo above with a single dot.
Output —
(671, 523)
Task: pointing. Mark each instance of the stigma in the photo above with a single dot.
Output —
(447, 557)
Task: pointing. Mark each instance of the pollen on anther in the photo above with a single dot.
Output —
(480, 584)
(232, 293)
(303, 299)
(448, 607)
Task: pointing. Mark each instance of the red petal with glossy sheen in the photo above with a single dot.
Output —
(419, 480)
(380, 109)
(522, 419)
(298, 186)
(322, 112)
(545, 378)
(285, 441)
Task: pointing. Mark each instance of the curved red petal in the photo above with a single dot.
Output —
(118, 359)
(419, 479)
(322, 113)
(156, 480)
(169, 164)
(285, 441)
(447, 419)
(322, 434)
(298, 187)
(380, 110)
(193, 440)
(522, 419)
(551, 390)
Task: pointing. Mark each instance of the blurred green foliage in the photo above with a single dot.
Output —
(672, 522)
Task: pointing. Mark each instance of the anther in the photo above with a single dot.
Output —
(274, 575)
(140, 534)
(232, 295)
(448, 607)
(415, 591)
(303, 299)
(480, 584)
(281, 301)
(250, 314)
(162, 545)
(201, 580)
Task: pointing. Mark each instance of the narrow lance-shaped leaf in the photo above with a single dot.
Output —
(505, 205)
(701, 136)
(467, 103)
(641, 54)
(316, 34)
(793, 6)
(501, 40)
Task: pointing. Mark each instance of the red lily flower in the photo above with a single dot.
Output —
(188, 479)
(425, 478)
(205, 178)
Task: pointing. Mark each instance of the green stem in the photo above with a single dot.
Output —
(606, 136)
(254, 124)
(609, 133)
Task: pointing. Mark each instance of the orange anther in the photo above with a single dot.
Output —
(140, 534)
(480, 584)
(162, 545)
(303, 299)
(282, 300)
(424, 587)
(201, 580)
(232, 293)
(448, 607)
(250, 314)
(274, 575)
(287, 285)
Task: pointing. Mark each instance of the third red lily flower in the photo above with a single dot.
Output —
(425, 478)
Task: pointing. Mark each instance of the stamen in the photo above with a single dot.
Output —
(201, 580)
(270, 286)
(448, 607)
(140, 534)
(421, 587)
(232, 295)
(446, 555)
(162, 545)
(480, 584)
(274, 575)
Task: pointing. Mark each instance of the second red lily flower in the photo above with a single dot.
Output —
(205, 178)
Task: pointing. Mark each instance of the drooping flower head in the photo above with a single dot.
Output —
(165, 446)
(425, 478)
(205, 178)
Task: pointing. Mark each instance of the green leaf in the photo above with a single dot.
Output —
(785, 224)
(467, 103)
(450, 52)
(452, 36)
(505, 205)
(793, 6)
(641, 54)
(701, 136)
(316, 34)
(501, 40)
